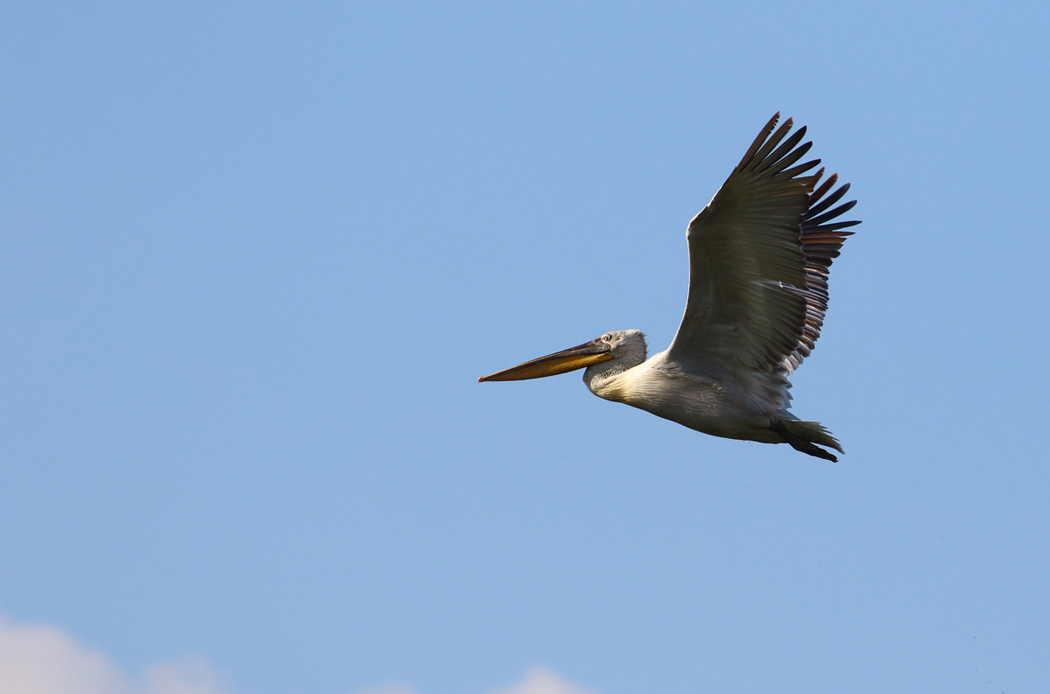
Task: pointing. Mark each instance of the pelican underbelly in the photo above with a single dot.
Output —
(690, 400)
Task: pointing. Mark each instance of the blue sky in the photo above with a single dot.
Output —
(255, 256)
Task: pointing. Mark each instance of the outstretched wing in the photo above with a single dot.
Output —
(758, 259)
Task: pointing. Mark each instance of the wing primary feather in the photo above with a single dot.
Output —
(824, 187)
(831, 199)
(790, 159)
(774, 158)
(841, 209)
(773, 140)
(762, 135)
(800, 169)
(841, 225)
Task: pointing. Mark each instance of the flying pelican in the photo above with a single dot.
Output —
(759, 255)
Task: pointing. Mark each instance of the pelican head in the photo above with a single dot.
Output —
(614, 352)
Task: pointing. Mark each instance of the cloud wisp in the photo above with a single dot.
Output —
(41, 659)
(543, 681)
(536, 681)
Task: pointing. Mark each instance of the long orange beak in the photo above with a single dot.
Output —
(592, 352)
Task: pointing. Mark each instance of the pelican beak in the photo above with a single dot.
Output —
(592, 352)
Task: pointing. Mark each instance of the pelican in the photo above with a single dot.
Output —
(759, 255)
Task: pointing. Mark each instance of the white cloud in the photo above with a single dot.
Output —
(39, 659)
(388, 689)
(542, 681)
(536, 681)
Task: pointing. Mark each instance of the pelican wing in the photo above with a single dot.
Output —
(757, 285)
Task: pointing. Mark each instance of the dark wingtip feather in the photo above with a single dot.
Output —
(802, 168)
(774, 140)
(762, 135)
(828, 216)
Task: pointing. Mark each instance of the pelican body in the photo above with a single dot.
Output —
(759, 255)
